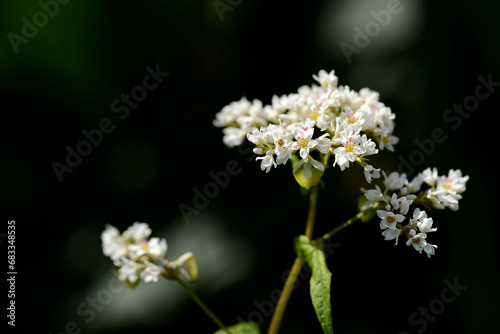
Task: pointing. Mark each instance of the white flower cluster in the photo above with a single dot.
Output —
(399, 194)
(325, 118)
(137, 257)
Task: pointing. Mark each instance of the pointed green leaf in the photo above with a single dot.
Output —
(241, 328)
(320, 281)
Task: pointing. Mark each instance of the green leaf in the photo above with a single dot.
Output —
(320, 281)
(241, 328)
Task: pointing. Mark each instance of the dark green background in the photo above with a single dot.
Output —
(66, 77)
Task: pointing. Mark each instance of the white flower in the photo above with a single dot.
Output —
(429, 249)
(304, 143)
(350, 117)
(394, 181)
(387, 140)
(129, 271)
(391, 234)
(371, 172)
(389, 219)
(151, 272)
(369, 145)
(324, 143)
(375, 195)
(137, 232)
(401, 203)
(349, 151)
(454, 182)
(134, 255)
(417, 240)
(307, 163)
(113, 244)
(425, 226)
(154, 248)
(267, 161)
(418, 217)
(326, 79)
(415, 184)
(233, 136)
(430, 176)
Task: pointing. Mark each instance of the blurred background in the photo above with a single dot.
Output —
(67, 67)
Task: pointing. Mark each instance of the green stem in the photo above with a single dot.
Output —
(297, 266)
(200, 303)
(342, 226)
(349, 222)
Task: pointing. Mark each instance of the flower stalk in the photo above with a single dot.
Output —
(202, 305)
(296, 267)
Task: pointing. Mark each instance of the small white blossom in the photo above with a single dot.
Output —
(326, 79)
(389, 219)
(425, 226)
(303, 142)
(371, 172)
(392, 234)
(417, 240)
(307, 163)
(349, 151)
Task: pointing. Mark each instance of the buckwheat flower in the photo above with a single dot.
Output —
(389, 219)
(233, 136)
(303, 143)
(326, 119)
(370, 97)
(394, 181)
(371, 172)
(401, 203)
(387, 140)
(415, 185)
(326, 79)
(430, 176)
(281, 140)
(429, 249)
(425, 225)
(228, 115)
(375, 195)
(351, 117)
(137, 232)
(302, 127)
(129, 271)
(324, 143)
(267, 161)
(349, 151)
(113, 244)
(418, 217)
(137, 257)
(369, 145)
(307, 163)
(454, 182)
(154, 248)
(417, 240)
(151, 272)
(392, 234)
